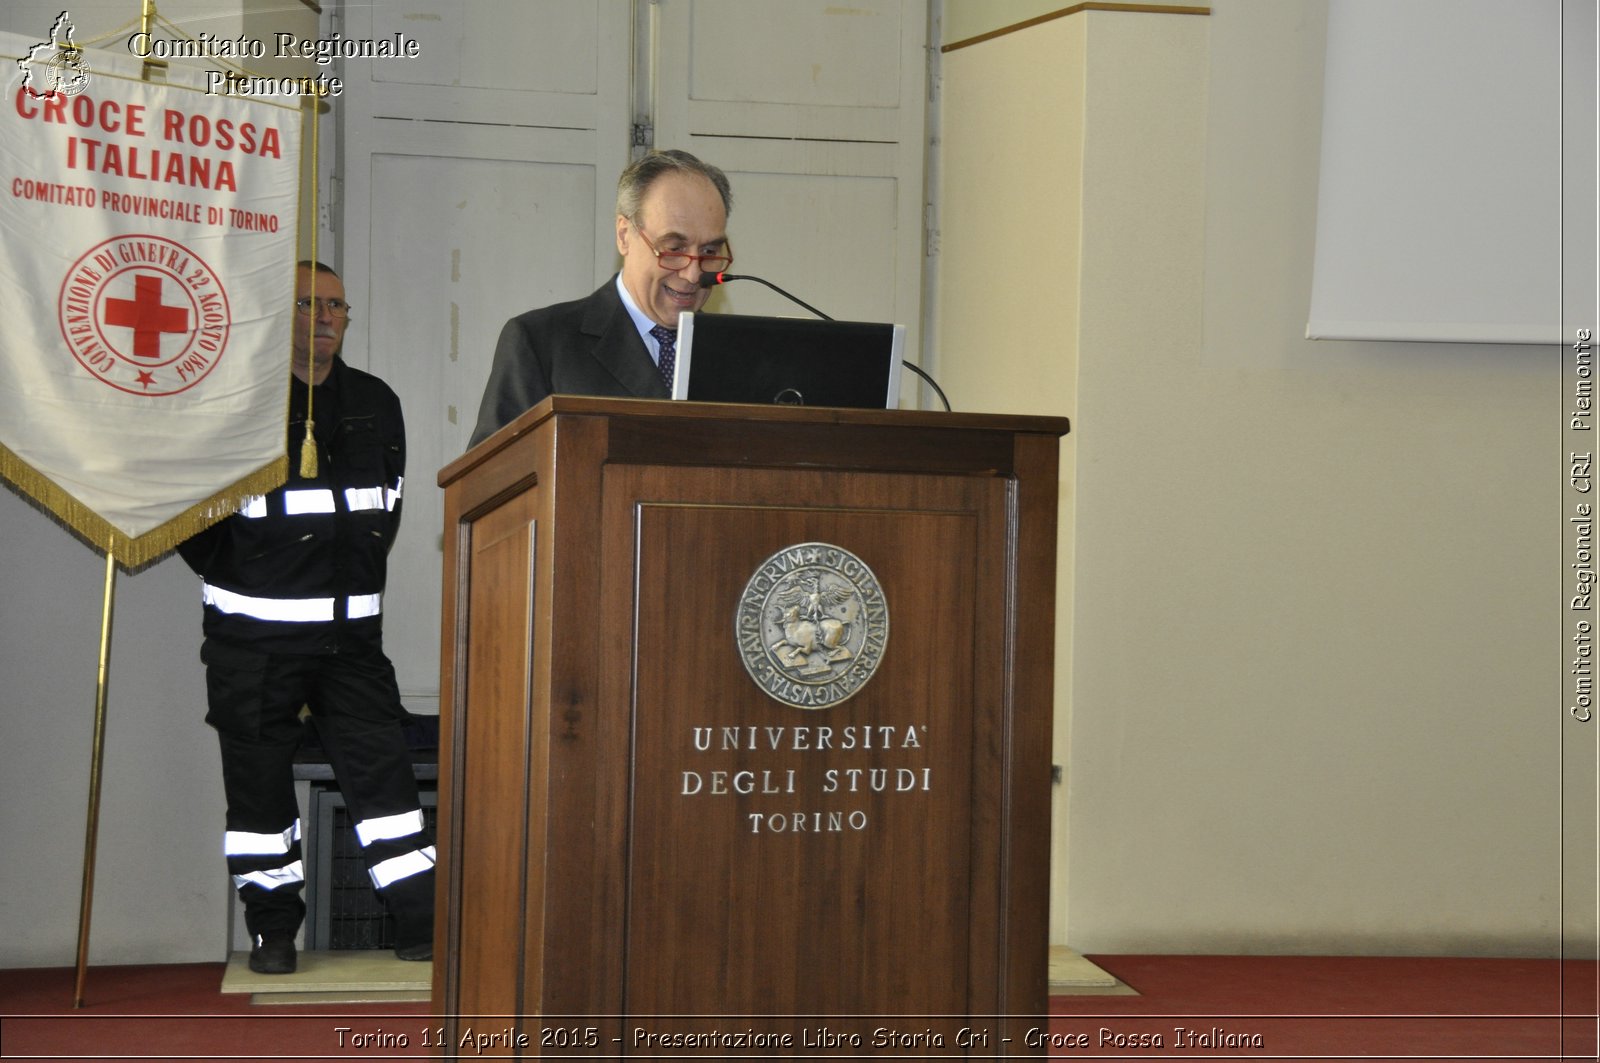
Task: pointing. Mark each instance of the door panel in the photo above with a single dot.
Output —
(477, 183)
(817, 111)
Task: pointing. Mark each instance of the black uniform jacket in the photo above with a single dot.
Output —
(302, 570)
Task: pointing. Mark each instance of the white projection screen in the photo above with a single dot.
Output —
(1439, 208)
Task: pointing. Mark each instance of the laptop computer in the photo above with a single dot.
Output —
(788, 361)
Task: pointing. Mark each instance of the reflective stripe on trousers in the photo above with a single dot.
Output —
(240, 843)
(394, 828)
(274, 878)
(392, 870)
(244, 843)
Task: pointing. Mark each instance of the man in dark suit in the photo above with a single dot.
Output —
(672, 217)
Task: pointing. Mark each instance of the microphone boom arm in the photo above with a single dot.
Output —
(711, 280)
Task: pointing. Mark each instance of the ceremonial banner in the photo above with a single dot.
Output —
(147, 249)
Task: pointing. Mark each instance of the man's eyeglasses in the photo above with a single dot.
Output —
(335, 307)
(673, 261)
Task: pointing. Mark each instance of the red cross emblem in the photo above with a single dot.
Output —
(165, 339)
(146, 315)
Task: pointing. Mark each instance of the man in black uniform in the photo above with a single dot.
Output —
(293, 587)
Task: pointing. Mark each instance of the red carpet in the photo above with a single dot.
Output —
(176, 1012)
(1319, 1008)
(1334, 1008)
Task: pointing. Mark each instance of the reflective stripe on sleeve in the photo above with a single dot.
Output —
(320, 500)
(308, 500)
(287, 875)
(361, 605)
(381, 828)
(358, 498)
(390, 871)
(244, 843)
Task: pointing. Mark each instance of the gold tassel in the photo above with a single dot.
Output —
(308, 454)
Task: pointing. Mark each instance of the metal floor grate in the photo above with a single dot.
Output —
(343, 911)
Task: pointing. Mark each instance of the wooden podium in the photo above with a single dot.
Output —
(746, 721)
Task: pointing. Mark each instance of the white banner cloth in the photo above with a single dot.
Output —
(147, 249)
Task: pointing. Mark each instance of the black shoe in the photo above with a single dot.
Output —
(273, 953)
(420, 951)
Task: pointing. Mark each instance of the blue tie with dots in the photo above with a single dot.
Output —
(668, 338)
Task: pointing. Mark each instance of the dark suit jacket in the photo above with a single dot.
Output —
(586, 347)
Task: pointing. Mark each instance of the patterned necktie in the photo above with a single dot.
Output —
(668, 338)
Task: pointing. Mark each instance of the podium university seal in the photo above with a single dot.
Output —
(811, 625)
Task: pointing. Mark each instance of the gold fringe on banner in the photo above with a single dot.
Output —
(97, 532)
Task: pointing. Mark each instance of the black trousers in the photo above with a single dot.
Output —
(254, 702)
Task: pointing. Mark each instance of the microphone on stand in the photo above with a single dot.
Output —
(711, 280)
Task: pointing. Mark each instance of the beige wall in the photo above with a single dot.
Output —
(1311, 700)
(1009, 276)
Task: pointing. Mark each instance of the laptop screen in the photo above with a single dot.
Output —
(788, 361)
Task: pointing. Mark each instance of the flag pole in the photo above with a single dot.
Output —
(92, 829)
(147, 15)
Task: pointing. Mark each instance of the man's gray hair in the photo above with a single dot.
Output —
(642, 173)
